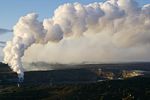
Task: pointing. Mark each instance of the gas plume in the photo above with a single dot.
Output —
(110, 31)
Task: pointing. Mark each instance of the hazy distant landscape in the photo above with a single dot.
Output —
(94, 82)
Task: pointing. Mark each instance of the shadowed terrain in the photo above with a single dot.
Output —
(74, 84)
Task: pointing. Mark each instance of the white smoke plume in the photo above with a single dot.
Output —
(110, 31)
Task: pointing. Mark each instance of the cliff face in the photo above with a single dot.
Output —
(55, 76)
(88, 73)
(6, 75)
(4, 68)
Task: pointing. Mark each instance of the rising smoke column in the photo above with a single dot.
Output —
(122, 24)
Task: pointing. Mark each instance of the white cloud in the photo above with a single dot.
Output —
(113, 31)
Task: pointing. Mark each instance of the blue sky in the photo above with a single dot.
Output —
(12, 10)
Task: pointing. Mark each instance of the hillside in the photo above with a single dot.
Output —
(72, 84)
(131, 89)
